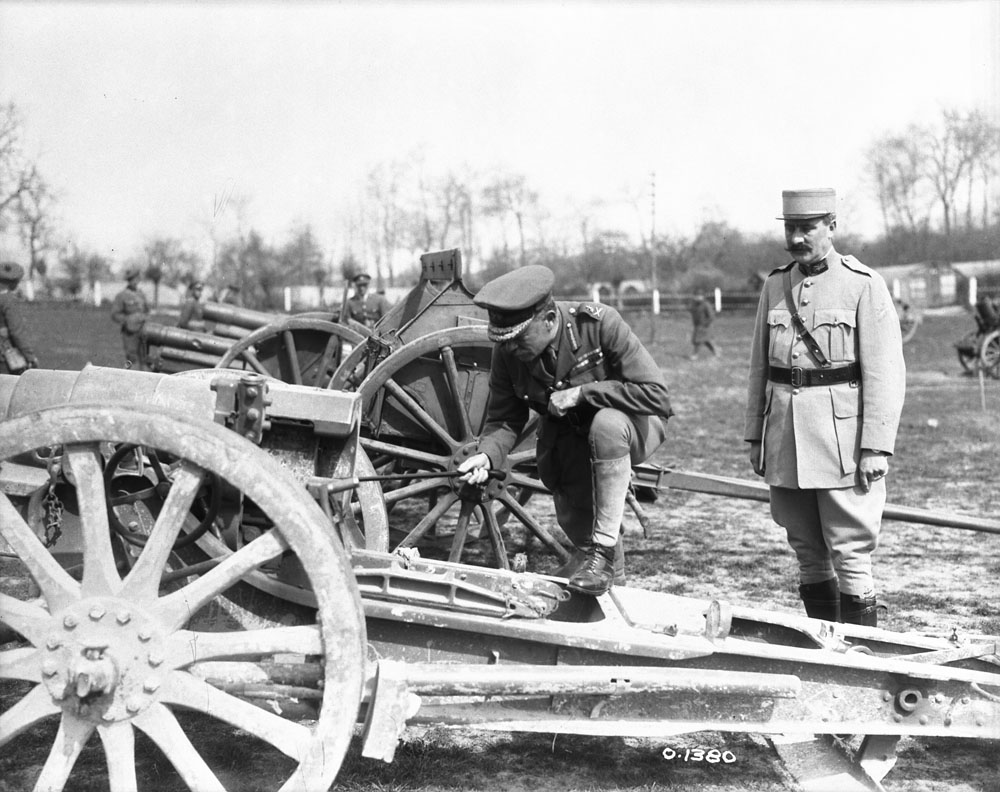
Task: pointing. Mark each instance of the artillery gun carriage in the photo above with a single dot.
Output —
(254, 574)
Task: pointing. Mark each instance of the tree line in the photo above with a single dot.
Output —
(935, 186)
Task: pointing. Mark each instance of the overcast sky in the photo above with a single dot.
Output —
(143, 115)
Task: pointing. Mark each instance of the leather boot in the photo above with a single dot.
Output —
(597, 574)
(612, 478)
(858, 610)
(821, 599)
(575, 562)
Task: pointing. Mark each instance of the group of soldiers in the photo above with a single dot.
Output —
(824, 397)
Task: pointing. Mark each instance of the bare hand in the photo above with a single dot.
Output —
(755, 460)
(873, 466)
(562, 401)
(476, 469)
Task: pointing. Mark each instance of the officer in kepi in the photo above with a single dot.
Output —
(825, 393)
(603, 403)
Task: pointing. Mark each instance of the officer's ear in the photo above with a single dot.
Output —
(550, 316)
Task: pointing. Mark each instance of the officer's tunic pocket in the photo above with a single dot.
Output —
(780, 335)
(846, 414)
(833, 329)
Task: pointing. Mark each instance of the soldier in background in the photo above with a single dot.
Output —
(192, 311)
(16, 352)
(364, 307)
(826, 386)
(702, 315)
(130, 310)
(231, 295)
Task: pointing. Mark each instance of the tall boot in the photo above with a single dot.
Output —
(858, 610)
(821, 599)
(611, 478)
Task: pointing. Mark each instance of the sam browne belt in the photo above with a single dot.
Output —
(807, 378)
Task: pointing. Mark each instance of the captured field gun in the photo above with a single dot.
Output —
(980, 348)
(200, 542)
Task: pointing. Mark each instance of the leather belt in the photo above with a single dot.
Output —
(808, 378)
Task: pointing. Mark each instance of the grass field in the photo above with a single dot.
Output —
(930, 578)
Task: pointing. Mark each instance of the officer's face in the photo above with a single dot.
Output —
(539, 333)
(362, 288)
(809, 240)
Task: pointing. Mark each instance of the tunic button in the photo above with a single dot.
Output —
(805, 301)
(795, 391)
(807, 283)
(560, 384)
(795, 354)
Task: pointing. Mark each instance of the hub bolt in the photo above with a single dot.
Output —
(151, 684)
(123, 617)
(69, 622)
(53, 643)
(155, 659)
(49, 668)
(97, 613)
(145, 635)
(133, 705)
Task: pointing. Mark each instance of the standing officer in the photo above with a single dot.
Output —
(826, 389)
(604, 407)
(193, 312)
(17, 352)
(364, 307)
(130, 310)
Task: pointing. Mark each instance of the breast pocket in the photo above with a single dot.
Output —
(780, 336)
(589, 368)
(834, 331)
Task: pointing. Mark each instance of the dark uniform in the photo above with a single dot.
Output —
(130, 310)
(702, 315)
(13, 326)
(584, 457)
(192, 311)
(365, 307)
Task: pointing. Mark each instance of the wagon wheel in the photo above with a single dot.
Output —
(989, 354)
(426, 407)
(110, 654)
(968, 351)
(295, 349)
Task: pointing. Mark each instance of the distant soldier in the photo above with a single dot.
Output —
(231, 295)
(16, 352)
(192, 312)
(702, 315)
(364, 307)
(130, 310)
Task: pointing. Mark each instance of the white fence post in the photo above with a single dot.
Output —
(656, 302)
(288, 299)
(595, 295)
(718, 299)
(97, 293)
(973, 289)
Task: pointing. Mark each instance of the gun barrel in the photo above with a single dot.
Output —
(234, 315)
(169, 337)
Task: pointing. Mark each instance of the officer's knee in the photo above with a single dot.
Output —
(610, 434)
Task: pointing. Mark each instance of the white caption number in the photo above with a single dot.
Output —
(711, 755)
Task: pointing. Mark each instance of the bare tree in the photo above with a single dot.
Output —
(898, 165)
(383, 194)
(168, 261)
(35, 217)
(16, 173)
(509, 195)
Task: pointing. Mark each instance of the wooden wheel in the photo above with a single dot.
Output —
(968, 351)
(301, 350)
(116, 651)
(425, 406)
(989, 354)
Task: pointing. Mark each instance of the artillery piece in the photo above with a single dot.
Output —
(275, 600)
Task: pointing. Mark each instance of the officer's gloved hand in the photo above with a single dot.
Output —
(476, 469)
(562, 401)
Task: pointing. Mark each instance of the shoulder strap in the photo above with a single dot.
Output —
(811, 344)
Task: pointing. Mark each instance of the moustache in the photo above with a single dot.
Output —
(798, 249)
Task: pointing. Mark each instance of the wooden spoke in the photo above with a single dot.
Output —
(458, 401)
(58, 588)
(419, 487)
(175, 609)
(292, 356)
(398, 452)
(496, 539)
(420, 415)
(287, 736)
(429, 519)
(100, 576)
(20, 664)
(142, 583)
(533, 525)
(73, 734)
(28, 618)
(160, 725)
(119, 750)
(186, 646)
(461, 531)
(32, 708)
(526, 482)
(250, 357)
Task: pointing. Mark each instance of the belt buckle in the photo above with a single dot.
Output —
(797, 376)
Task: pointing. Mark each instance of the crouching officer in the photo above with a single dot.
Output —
(604, 406)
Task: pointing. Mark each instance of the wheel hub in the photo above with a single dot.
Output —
(103, 659)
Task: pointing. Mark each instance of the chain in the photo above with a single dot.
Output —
(52, 506)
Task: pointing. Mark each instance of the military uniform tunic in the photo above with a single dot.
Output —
(368, 309)
(130, 310)
(594, 349)
(13, 324)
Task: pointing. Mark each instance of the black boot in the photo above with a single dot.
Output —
(821, 599)
(575, 562)
(596, 575)
(858, 610)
